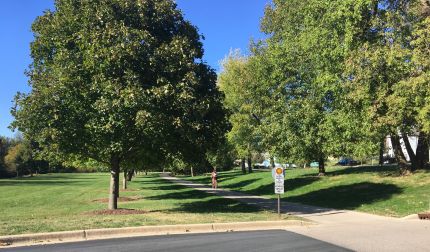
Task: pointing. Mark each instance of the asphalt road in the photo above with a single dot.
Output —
(267, 241)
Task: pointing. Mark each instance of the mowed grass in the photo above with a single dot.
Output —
(377, 190)
(59, 202)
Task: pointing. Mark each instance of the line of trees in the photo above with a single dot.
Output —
(333, 78)
(21, 157)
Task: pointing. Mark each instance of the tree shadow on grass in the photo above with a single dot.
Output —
(163, 187)
(348, 196)
(294, 183)
(230, 175)
(69, 176)
(180, 195)
(46, 182)
(265, 189)
(382, 171)
(217, 205)
(207, 179)
(239, 184)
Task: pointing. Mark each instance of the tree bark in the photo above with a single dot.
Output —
(249, 164)
(124, 181)
(400, 157)
(117, 183)
(422, 153)
(114, 183)
(272, 162)
(130, 174)
(425, 8)
(243, 166)
(192, 172)
(321, 167)
(381, 152)
(411, 154)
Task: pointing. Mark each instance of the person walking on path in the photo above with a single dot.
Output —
(214, 177)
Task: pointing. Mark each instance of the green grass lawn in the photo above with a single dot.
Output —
(378, 190)
(57, 202)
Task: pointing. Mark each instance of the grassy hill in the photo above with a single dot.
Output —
(58, 202)
(373, 189)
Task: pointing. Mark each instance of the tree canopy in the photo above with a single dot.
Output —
(111, 79)
(334, 78)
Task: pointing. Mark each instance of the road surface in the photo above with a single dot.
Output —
(267, 241)
(349, 229)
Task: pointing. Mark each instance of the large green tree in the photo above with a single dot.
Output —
(334, 78)
(111, 78)
(306, 51)
(386, 77)
(238, 81)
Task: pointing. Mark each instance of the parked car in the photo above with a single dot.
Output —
(266, 165)
(388, 159)
(347, 161)
(314, 164)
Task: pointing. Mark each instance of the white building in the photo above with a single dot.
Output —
(413, 140)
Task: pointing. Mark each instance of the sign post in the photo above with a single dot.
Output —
(278, 176)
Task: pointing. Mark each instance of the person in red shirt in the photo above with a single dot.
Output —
(214, 177)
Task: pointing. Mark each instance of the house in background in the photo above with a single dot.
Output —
(413, 140)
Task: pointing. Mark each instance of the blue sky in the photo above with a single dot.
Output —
(226, 25)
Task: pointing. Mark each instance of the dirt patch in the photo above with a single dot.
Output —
(119, 211)
(120, 199)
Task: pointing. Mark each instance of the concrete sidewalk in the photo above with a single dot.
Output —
(350, 229)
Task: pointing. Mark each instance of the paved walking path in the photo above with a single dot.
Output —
(350, 229)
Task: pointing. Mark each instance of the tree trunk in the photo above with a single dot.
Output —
(422, 153)
(400, 157)
(249, 164)
(130, 174)
(381, 152)
(192, 172)
(117, 183)
(124, 181)
(321, 167)
(425, 8)
(114, 183)
(411, 154)
(272, 162)
(243, 166)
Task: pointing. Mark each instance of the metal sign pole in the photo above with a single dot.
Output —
(278, 176)
(279, 205)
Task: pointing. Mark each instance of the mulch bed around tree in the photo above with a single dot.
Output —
(424, 216)
(120, 199)
(119, 211)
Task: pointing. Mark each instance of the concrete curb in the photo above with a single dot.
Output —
(106, 233)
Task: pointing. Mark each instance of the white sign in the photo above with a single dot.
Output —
(279, 180)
